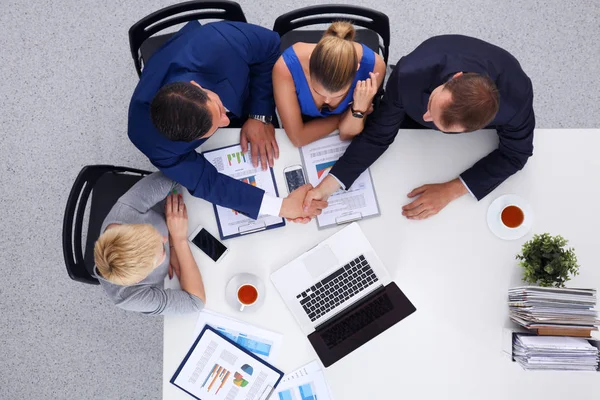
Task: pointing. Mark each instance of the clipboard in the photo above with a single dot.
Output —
(256, 358)
(349, 216)
(253, 226)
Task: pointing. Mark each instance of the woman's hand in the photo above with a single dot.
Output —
(177, 218)
(364, 92)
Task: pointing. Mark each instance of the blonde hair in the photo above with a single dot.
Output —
(126, 254)
(334, 60)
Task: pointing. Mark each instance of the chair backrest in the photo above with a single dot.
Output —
(376, 21)
(178, 14)
(80, 265)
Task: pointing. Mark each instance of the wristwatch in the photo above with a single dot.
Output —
(265, 119)
(357, 114)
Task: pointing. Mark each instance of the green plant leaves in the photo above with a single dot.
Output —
(546, 262)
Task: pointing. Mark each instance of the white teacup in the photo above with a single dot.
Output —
(247, 295)
(512, 216)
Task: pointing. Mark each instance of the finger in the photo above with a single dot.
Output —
(270, 152)
(263, 157)
(308, 200)
(275, 148)
(305, 220)
(319, 204)
(413, 204)
(417, 191)
(369, 83)
(169, 205)
(184, 208)
(424, 215)
(254, 151)
(414, 211)
(244, 141)
(179, 204)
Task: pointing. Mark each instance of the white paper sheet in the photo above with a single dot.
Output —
(261, 342)
(232, 162)
(357, 202)
(306, 383)
(217, 370)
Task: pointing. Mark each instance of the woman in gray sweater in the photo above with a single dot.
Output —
(142, 241)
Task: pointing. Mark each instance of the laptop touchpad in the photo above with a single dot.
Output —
(320, 261)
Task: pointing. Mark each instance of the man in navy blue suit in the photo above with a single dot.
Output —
(454, 84)
(189, 88)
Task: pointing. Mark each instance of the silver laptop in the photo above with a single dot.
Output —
(341, 295)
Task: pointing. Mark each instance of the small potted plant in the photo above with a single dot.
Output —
(546, 261)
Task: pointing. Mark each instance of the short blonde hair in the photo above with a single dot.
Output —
(126, 254)
(333, 62)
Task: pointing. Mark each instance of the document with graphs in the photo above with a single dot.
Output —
(217, 368)
(233, 162)
(357, 202)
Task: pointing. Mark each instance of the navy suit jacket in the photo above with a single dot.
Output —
(234, 60)
(407, 93)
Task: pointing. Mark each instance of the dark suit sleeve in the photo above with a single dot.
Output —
(203, 180)
(191, 169)
(259, 48)
(380, 131)
(514, 149)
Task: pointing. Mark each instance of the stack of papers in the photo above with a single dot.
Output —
(554, 309)
(555, 353)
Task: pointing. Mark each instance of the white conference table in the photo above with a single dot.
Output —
(453, 269)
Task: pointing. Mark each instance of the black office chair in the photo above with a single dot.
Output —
(377, 25)
(106, 183)
(142, 42)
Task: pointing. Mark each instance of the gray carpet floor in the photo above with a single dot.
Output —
(67, 77)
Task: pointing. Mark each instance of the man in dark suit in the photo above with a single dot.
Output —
(189, 88)
(454, 84)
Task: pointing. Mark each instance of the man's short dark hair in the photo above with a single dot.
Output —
(179, 112)
(475, 102)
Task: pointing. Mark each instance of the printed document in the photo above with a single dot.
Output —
(306, 383)
(216, 369)
(261, 342)
(233, 162)
(358, 202)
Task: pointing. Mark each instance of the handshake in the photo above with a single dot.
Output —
(306, 202)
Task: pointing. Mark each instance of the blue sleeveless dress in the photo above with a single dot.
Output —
(305, 99)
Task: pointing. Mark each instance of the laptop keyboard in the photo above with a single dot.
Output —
(338, 287)
(356, 321)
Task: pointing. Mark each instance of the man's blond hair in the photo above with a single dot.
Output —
(126, 254)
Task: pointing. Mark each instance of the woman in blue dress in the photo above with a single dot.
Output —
(330, 85)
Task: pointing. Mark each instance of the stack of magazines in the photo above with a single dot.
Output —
(554, 353)
(554, 311)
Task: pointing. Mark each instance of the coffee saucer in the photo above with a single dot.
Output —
(495, 223)
(238, 280)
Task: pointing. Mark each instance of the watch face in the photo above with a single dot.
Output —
(357, 114)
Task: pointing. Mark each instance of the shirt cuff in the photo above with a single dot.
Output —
(270, 205)
(338, 181)
(463, 182)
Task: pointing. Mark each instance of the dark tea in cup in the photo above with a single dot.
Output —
(247, 295)
(512, 216)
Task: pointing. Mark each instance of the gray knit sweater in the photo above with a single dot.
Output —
(144, 204)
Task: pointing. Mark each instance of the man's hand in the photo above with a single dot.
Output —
(262, 141)
(177, 219)
(432, 198)
(326, 188)
(293, 206)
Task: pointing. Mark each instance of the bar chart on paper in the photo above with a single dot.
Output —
(236, 158)
(254, 344)
(306, 391)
